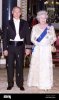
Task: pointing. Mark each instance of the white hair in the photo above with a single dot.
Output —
(42, 12)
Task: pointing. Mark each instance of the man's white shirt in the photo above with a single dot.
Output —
(17, 25)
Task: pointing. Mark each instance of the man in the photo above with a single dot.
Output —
(16, 35)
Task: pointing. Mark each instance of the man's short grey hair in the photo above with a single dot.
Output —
(43, 12)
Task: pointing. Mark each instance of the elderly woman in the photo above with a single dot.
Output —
(41, 66)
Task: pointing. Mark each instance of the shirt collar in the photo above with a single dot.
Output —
(16, 20)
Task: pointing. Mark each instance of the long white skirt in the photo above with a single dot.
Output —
(41, 68)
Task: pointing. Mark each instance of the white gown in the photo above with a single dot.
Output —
(41, 66)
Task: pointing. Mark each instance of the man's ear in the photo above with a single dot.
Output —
(12, 12)
(20, 14)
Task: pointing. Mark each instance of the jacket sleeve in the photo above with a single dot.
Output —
(27, 34)
(5, 38)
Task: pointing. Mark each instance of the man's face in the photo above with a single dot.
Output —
(16, 13)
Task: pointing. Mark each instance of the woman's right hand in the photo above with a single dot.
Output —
(5, 53)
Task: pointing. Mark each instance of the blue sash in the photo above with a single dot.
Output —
(41, 37)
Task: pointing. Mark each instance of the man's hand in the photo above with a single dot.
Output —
(5, 53)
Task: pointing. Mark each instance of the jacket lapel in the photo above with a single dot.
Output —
(12, 25)
(21, 25)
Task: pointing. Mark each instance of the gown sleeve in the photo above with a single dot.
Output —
(53, 35)
(33, 37)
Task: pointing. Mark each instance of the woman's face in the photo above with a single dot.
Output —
(42, 19)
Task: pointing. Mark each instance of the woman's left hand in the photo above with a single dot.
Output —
(27, 52)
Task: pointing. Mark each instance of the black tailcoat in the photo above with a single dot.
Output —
(15, 52)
